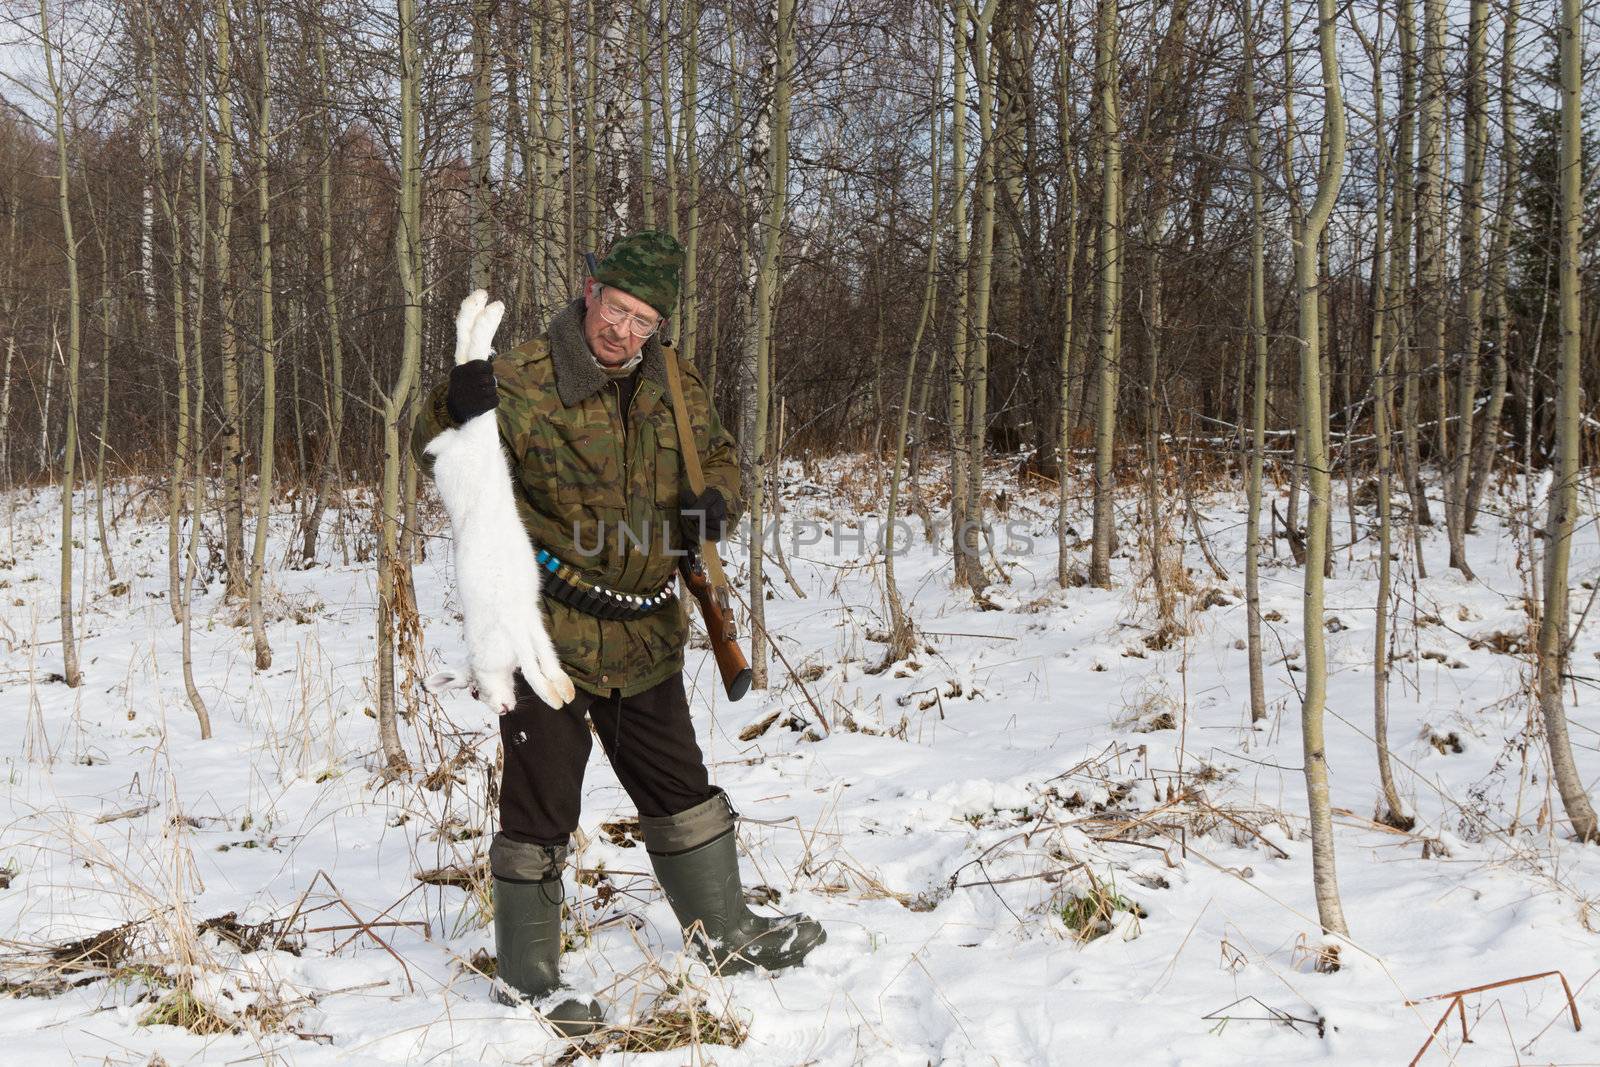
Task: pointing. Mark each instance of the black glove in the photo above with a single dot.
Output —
(472, 390)
(703, 517)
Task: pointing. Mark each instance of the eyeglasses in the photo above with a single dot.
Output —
(637, 326)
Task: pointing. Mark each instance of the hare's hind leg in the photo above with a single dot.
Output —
(542, 669)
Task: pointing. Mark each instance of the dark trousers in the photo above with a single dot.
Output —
(648, 738)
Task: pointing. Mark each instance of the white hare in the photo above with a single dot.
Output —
(495, 566)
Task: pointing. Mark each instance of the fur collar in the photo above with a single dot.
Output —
(578, 376)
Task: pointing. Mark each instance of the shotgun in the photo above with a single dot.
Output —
(725, 648)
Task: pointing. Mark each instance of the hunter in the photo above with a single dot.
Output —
(585, 415)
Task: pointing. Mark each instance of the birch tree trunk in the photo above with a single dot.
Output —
(49, 393)
(258, 556)
(689, 298)
(1381, 354)
(1554, 627)
(1069, 297)
(329, 462)
(1484, 443)
(170, 209)
(1110, 295)
(647, 186)
(969, 558)
(5, 409)
(754, 178)
(902, 635)
(1314, 427)
(1476, 137)
(668, 148)
(482, 213)
(233, 467)
(766, 285)
(1158, 231)
(107, 328)
(591, 89)
(1406, 226)
(69, 645)
(960, 461)
(197, 283)
(536, 147)
(1258, 398)
(1431, 203)
(408, 255)
(614, 64)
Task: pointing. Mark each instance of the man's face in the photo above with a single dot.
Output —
(613, 344)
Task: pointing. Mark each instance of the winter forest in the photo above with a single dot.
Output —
(1168, 550)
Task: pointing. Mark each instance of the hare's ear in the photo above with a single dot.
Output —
(446, 680)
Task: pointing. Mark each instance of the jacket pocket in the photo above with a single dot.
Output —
(669, 469)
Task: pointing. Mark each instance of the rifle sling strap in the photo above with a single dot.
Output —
(691, 463)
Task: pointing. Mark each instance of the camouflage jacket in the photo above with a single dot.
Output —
(582, 470)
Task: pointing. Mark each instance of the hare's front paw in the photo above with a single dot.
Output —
(471, 309)
(483, 328)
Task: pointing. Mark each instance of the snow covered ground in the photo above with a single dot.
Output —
(946, 824)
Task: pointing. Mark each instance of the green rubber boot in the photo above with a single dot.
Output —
(527, 934)
(696, 859)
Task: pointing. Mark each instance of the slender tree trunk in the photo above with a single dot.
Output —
(615, 66)
(1258, 398)
(591, 89)
(106, 328)
(766, 286)
(668, 149)
(1431, 204)
(960, 461)
(49, 394)
(1297, 469)
(5, 409)
(1485, 443)
(171, 207)
(1381, 355)
(269, 398)
(329, 479)
(969, 559)
(1110, 294)
(1069, 298)
(197, 284)
(1157, 233)
(689, 297)
(69, 645)
(1554, 626)
(1407, 225)
(1476, 137)
(233, 465)
(1436, 95)
(647, 148)
(408, 252)
(1313, 425)
(537, 146)
(902, 637)
(8, 307)
(482, 210)
(753, 180)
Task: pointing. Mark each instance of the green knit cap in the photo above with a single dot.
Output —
(645, 265)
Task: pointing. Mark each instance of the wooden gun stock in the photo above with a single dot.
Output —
(731, 664)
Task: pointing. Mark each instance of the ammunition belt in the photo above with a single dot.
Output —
(565, 586)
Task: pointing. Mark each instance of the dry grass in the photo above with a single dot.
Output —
(671, 1028)
(1091, 913)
